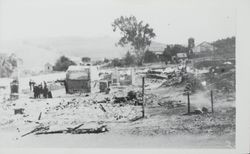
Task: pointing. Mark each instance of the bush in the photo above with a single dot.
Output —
(106, 60)
(86, 59)
(117, 62)
(225, 47)
(63, 63)
(150, 57)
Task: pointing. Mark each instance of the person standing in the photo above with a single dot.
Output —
(30, 84)
(40, 90)
(35, 90)
(45, 90)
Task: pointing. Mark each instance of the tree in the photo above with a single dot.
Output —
(117, 62)
(178, 49)
(167, 54)
(129, 59)
(8, 65)
(106, 60)
(225, 47)
(150, 57)
(86, 59)
(135, 34)
(63, 63)
(171, 51)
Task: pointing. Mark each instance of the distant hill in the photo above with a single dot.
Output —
(36, 52)
(96, 48)
(225, 47)
(34, 57)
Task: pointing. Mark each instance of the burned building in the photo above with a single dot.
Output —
(82, 79)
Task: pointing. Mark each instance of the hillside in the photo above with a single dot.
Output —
(225, 47)
(45, 50)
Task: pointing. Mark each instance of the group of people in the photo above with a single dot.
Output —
(41, 90)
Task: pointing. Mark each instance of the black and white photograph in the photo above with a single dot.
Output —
(118, 74)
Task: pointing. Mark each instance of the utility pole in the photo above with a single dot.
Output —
(188, 99)
(212, 101)
(143, 109)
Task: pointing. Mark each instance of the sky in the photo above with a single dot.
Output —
(173, 21)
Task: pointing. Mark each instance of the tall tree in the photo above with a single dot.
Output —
(166, 56)
(129, 59)
(135, 34)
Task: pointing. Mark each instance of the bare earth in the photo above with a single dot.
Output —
(164, 125)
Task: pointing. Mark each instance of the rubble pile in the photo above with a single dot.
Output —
(171, 103)
(209, 124)
(224, 81)
(161, 99)
(168, 76)
(89, 110)
(48, 116)
(151, 99)
(172, 81)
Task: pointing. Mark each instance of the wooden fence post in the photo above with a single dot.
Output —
(188, 99)
(143, 110)
(212, 101)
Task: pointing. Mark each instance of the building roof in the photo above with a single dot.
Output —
(204, 46)
(158, 52)
(78, 68)
(48, 64)
(81, 70)
(204, 43)
(156, 47)
(182, 55)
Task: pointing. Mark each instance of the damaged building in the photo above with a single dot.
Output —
(82, 79)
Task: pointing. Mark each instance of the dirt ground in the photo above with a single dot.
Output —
(165, 124)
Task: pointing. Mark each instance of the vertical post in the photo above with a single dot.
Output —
(212, 101)
(143, 110)
(188, 99)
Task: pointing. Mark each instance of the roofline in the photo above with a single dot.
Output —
(203, 42)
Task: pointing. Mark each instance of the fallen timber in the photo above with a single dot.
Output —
(98, 130)
(76, 130)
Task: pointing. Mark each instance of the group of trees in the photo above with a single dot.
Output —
(131, 60)
(171, 51)
(225, 47)
(63, 63)
(150, 57)
(138, 36)
(86, 59)
(128, 60)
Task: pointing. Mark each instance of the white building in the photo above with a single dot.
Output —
(48, 67)
(203, 47)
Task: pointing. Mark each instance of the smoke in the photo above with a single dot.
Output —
(200, 99)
